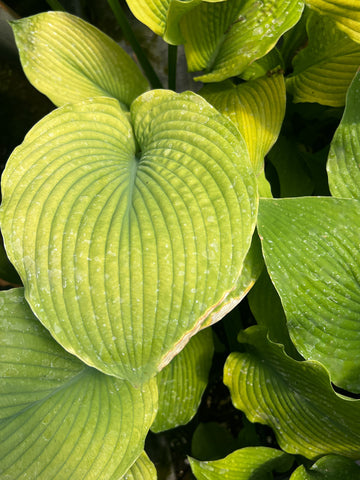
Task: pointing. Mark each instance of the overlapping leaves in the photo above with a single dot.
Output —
(59, 417)
(344, 157)
(150, 218)
(311, 249)
(295, 398)
(346, 13)
(224, 38)
(252, 463)
(182, 383)
(324, 69)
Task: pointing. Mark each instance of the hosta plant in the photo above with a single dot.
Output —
(162, 237)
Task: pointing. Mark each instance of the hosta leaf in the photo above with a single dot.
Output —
(344, 157)
(163, 16)
(346, 13)
(330, 467)
(324, 69)
(69, 60)
(256, 107)
(268, 65)
(182, 383)
(294, 398)
(60, 418)
(311, 249)
(142, 469)
(224, 38)
(128, 235)
(253, 265)
(251, 463)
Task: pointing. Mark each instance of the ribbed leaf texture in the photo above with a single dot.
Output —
(59, 418)
(311, 250)
(69, 60)
(127, 234)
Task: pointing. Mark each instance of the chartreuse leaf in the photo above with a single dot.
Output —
(142, 469)
(128, 234)
(329, 467)
(253, 266)
(163, 16)
(346, 13)
(256, 107)
(60, 418)
(294, 398)
(182, 383)
(324, 69)
(344, 157)
(250, 463)
(311, 250)
(69, 60)
(224, 38)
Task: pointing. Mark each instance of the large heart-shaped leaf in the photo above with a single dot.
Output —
(311, 249)
(324, 69)
(127, 235)
(163, 16)
(294, 398)
(256, 107)
(224, 38)
(251, 463)
(182, 383)
(346, 13)
(60, 418)
(344, 157)
(329, 467)
(69, 60)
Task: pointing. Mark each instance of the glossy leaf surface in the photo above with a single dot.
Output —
(294, 398)
(128, 234)
(346, 13)
(324, 69)
(311, 249)
(344, 157)
(182, 383)
(60, 418)
(69, 60)
(251, 463)
(330, 467)
(224, 38)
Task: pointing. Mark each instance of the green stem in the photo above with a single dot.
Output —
(130, 37)
(172, 61)
(56, 5)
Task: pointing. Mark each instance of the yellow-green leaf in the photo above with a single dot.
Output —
(295, 398)
(324, 69)
(343, 164)
(256, 107)
(329, 467)
(224, 38)
(182, 383)
(346, 13)
(60, 419)
(142, 469)
(129, 232)
(70, 60)
(250, 463)
(311, 250)
(163, 16)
